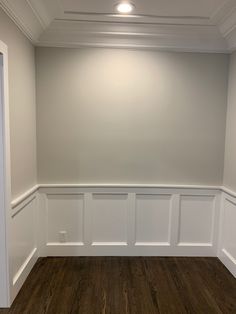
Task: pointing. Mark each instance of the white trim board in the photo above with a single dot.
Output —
(23, 272)
(187, 38)
(15, 202)
(37, 187)
(24, 196)
(5, 180)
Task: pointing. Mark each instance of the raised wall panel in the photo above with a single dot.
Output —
(109, 219)
(22, 236)
(126, 221)
(23, 240)
(153, 219)
(196, 220)
(65, 213)
(229, 229)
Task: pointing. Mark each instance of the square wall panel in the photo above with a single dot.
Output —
(65, 214)
(109, 219)
(229, 228)
(153, 219)
(196, 220)
(23, 235)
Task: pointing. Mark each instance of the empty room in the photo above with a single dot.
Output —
(118, 156)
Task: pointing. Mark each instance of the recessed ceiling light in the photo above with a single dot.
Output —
(125, 7)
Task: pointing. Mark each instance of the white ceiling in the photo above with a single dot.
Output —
(186, 25)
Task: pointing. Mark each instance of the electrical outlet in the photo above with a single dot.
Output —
(62, 236)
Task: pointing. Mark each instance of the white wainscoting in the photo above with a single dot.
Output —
(23, 240)
(121, 220)
(133, 221)
(227, 234)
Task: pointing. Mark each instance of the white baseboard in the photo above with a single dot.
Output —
(74, 250)
(229, 262)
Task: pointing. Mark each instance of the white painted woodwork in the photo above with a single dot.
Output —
(121, 221)
(23, 241)
(188, 38)
(23, 14)
(227, 234)
(22, 236)
(106, 220)
(5, 180)
(3, 236)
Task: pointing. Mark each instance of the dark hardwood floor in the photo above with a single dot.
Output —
(127, 285)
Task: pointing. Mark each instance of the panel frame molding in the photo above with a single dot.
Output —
(73, 243)
(131, 248)
(224, 255)
(18, 277)
(213, 215)
(170, 214)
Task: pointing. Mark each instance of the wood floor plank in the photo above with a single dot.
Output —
(127, 285)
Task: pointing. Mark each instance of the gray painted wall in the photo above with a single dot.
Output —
(122, 116)
(22, 106)
(230, 142)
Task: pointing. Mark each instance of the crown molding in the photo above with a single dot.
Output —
(227, 22)
(231, 40)
(228, 29)
(41, 13)
(196, 38)
(225, 19)
(136, 18)
(196, 34)
(23, 15)
(222, 12)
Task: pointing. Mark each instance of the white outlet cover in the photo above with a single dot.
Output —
(62, 236)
